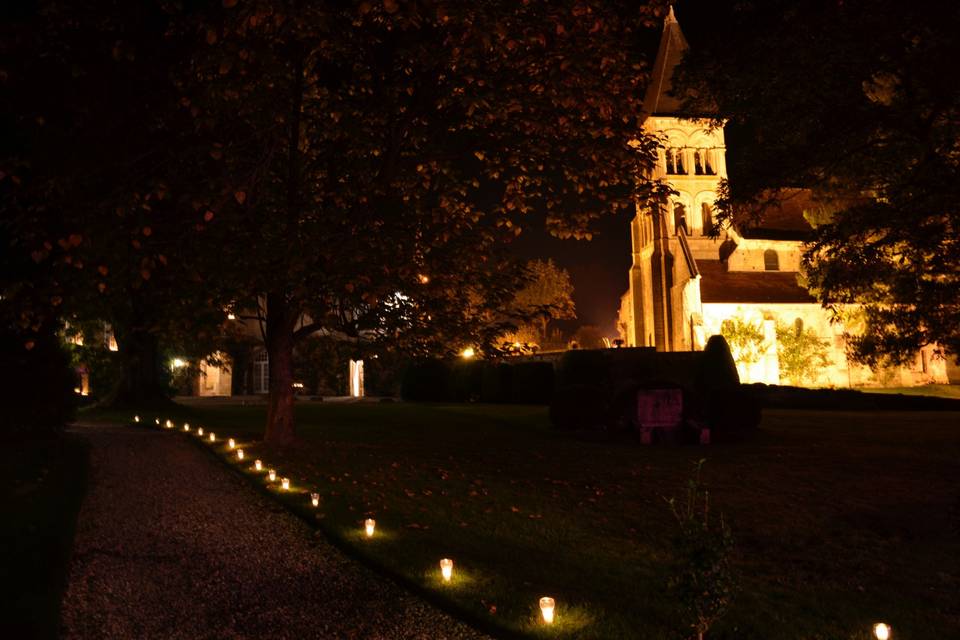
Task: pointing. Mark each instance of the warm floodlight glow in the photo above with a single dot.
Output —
(258, 465)
(200, 431)
(546, 608)
(239, 454)
(272, 475)
(231, 316)
(467, 353)
(881, 631)
(446, 568)
(315, 499)
(285, 484)
(178, 363)
(369, 524)
(136, 418)
(232, 443)
(424, 278)
(213, 437)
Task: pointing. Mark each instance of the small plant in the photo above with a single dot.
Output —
(746, 340)
(704, 579)
(803, 355)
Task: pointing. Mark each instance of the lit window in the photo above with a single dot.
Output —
(771, 261)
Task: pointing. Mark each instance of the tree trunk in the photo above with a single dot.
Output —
(280, 322)
(141, 383)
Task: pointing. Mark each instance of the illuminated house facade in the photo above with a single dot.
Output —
(684, 284)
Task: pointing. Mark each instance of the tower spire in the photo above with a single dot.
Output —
(658, 99)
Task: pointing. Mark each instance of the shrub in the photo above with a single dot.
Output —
(495, 383)
(425, 381)
(579, 406)
(532, 382)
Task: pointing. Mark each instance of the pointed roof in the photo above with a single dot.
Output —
(658, 100)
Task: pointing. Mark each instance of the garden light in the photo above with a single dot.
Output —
(546, 608)
(168, 424)
(213, 437)
(258, 465)
(136, 418)
(315, 499)
(231, 443)
(882, 631)
(157, 420)
(285, 484)
(186, 426)
(200, 431)
(446, 568)
(369, 525)
(467, 353)
(272, 475)
(239, 454)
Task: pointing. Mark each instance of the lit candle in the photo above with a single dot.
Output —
(285, 483)
(258, 465)
(136, 418)
(272, 475)
(169, 424)
(881, 631)
(446, 568)
(315, 499)
(186, 426)
(231, 443)
(239, 454)
(546, 608)
(369, 525)
(200, 431)
(157, 420)
(213, 437)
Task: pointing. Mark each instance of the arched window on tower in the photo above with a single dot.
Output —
(698, 163)
(706, 219)
(708, 162)
(771, 261)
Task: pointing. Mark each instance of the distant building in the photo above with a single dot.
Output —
(684, 284)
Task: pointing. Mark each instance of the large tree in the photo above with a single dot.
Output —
(858, 101)
(547, 295)
(366, 158)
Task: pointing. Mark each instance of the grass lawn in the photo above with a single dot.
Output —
(41, 486)
(840, 519)
(936, 390)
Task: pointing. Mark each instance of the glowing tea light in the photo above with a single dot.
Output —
(258, 465)
(213, 437)
(546, 608)
(315, 499)
(200, 431)
(168, 424)
(136, 418)
(285, 484)
(186, 426)
(369, 524)
(446, 568)
(272, 475)
(231, 443)
(239, 454)
(882, 631)
(157, 420)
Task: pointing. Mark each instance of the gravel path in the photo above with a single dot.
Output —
(170, 545)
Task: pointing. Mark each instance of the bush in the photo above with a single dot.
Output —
(532, 383)
(466, 380)
(495, 383)
(425, 381)
(579, 406)
(37, 383)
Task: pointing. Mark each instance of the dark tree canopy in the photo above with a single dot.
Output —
(860, 102)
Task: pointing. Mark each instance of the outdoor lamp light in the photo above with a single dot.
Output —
(213, 437)
(186, 426)
(168, 424)
(258, 465)
(546, 608)
(199, 431)
(468, 352)
(231, 443)
(369, 525)
(882, 631)
(239, 454)
(285, 484)
(136, 418)
(446, 568)
(272, 475)
(157, 420)
(315, 499)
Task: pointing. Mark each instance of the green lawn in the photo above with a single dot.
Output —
(41, 487)
(840, 519)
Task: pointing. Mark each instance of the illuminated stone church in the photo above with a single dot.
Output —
(686, 282)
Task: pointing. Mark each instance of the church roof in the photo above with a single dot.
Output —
(778, 217)
(719, 285)
(658, 99)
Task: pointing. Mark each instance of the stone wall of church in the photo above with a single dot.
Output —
(751, 255)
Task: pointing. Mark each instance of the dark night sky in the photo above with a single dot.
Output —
(599, 268)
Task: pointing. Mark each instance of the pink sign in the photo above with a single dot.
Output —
(659, 408)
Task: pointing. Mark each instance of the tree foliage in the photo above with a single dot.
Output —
(801, 353)
(859, 102)
(547, 295)
(746, 340)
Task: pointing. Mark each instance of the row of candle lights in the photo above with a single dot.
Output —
(881, 630)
